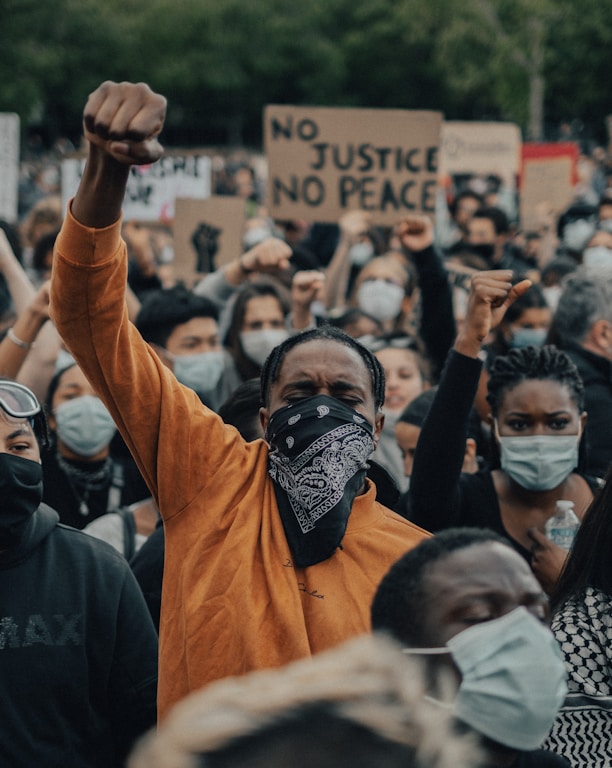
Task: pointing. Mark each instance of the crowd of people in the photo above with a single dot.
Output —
(297, 511)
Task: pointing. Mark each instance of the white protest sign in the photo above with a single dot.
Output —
(152, 189)
(9, 166)
(546, 183)
(324, 162)
(481, 148)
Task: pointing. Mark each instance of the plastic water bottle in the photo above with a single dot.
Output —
(562, 526)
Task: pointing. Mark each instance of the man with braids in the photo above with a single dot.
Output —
(273, 548)
(537, 428)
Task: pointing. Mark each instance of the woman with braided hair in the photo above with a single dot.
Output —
(537, 428)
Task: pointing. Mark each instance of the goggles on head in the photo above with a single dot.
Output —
(378, 343)
(18, 401)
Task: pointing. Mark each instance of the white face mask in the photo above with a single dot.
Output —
(552, 294)
(63, 360)
(257, 345)
(360, 253)
(254, 236)
(597, 258)
(200, 372)
(513, 679)
(577, 234)
(539, 462)
(381, 299)
(84, 425)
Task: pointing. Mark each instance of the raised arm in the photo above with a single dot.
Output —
(121, 123)
(153, 412)
(306, 287)
(31, 363)
(437, 326)
(268, 257)
(19, 284)
(434, 484)
(353, 225)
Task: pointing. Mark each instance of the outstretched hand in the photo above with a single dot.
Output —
(124, 120)
(491, 294)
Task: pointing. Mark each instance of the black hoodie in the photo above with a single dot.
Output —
(78, 651)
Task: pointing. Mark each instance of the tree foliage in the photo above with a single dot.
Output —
(535, 62)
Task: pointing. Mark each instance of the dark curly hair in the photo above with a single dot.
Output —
(540, 363)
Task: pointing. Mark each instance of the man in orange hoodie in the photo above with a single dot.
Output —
(274, 548)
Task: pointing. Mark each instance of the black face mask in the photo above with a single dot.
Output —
(486, 251)
(318, 463)
(21, 490)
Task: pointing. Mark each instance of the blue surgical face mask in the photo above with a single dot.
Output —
(513, 679)
(381, 299)
(200, 372)
(527, 337)
(84, 425)
(539, 462)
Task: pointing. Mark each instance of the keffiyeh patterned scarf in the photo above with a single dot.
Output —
(318, 462)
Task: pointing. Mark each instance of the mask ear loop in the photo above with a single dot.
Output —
(426, 651)
(495, 430)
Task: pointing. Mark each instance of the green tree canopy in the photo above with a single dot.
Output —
(535, 62)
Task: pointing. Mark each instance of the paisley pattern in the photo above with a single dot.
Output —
(319, 449)
(315, 479)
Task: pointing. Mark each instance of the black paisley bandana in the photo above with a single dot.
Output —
(318, 462)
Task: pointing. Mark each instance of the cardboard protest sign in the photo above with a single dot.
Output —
(152, 189)
(9, 166)
(324, 162)
(548, 178)
(207, 234)
(481, 148)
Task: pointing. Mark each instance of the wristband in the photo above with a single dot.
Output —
(17, 341)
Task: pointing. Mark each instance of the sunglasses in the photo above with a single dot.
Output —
(18, 401)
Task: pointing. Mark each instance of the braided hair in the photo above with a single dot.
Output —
(271, 368)
(540, 363)
(547, 363)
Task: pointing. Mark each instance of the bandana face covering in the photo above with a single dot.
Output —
(318, 462)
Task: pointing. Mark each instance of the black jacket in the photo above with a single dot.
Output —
(596, 374)
(78, 651)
